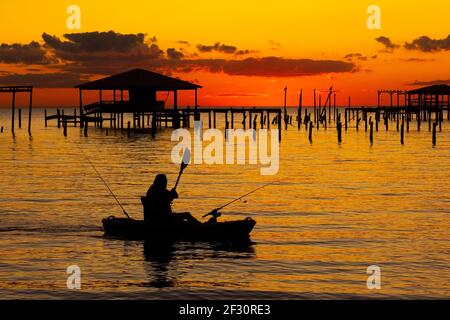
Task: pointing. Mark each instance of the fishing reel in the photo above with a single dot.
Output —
(215, 215)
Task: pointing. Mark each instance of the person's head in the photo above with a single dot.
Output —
(160, 181)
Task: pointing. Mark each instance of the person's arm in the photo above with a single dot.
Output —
(173, 194)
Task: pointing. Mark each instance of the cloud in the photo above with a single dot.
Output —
(31, 53)
(183, 42)
(416, 60)
(223, 48)
(426, 44)
(172, 53)
(95, 41)
(428, 83)
(273, 66)
(74, 57)
(355, 56)
(40, 80)
(89, 45)
(388, 44)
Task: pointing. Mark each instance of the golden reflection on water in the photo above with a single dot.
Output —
(335, 210)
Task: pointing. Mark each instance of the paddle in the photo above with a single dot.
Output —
(184, 165)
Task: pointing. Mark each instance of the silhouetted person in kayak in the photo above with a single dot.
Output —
(157, 204)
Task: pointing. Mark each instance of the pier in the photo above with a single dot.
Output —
(134, 108)
(14, 90)
(429, 105)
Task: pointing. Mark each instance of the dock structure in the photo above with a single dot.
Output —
(423, 104)
(14, 90)
(134, 95)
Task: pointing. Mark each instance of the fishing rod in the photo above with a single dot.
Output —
(112, 193)
(215, 212)
(104, 182)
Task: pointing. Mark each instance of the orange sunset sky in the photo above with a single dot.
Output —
(241, 52)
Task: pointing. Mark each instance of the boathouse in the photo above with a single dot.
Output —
(133, 92)
(437, 96)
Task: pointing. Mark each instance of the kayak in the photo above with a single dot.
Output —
(140, 230)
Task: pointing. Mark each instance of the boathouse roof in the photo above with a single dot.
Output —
(139, 78)
(432, 90)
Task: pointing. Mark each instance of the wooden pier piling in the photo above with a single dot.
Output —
(402, 131)
(310, 132)
(279, 125)
(346, 119)
(339, 130)
(86, 126)
(434, 133)
(13, 111)
(65, 127)
(371, 132)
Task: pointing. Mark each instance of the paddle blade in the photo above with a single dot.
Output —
(186, 159)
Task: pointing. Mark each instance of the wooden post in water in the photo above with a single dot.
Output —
(75, 117)
(371, 132)
(418, 121)
(129, 129)
(65, 127)
(30, 111)
(434, 133)
(155, 123)
(402, 131)
(429, 120)
(365, 121)
(262, 120)
(19, 116)
(377, 119)
(339, 129)
(357, 120)
(45, 117)
(13, 111)
(315, 106)
(335, 112)
(408, 118)
(279, 125)
(86, 126)
(299, 112)
(310, 131)
(441, 115)
(58, 112)
(285, 109)
(346, 119)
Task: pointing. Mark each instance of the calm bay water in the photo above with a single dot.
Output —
(335, 210)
